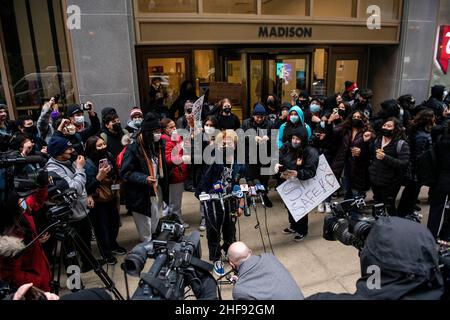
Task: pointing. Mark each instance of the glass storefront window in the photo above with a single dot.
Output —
(334, 8)
(320, 73)
(256, 79)
(389, 8)
(345, 70)
(36, 53)
(284, 7)
(170, 73)
(230, 6)
(167, 6)
(2, 91)
(205, 70)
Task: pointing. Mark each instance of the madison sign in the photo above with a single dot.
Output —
(284, 32)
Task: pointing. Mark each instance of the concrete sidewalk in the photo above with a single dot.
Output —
(316, 264)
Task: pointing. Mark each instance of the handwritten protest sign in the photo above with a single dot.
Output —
(301, 197)
(197, 112)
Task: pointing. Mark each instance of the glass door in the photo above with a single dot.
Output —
(346, 67)
(161, 77)
(290, 73)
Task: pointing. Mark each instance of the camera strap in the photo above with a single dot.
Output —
(155, 283)
(202, 265)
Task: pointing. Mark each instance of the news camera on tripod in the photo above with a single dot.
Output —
(410, 264)
(177, 265)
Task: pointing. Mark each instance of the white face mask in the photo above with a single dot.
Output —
(79, 120)
(174, 135)
(156, 137)
(70, 130)
(210, 131)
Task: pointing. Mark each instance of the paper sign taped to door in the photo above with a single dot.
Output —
(301, 197)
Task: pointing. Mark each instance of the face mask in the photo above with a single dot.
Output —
(227, 111)
(342, 113)
(296, 145)
(117, 127)
(156, 137)
(70, 130)
(174, 135)
(74, 156)
(79, 120)
(357, 123)
(101, 153)
(55, 115)
(33, 131)
(271, 103)
(387, 133)
(137, 123)
(294, 119)
(210, 131)
(315, 108)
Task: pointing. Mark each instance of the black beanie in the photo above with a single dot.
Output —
(73, 109)
(150, 122)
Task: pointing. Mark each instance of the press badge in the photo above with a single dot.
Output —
(115, 187)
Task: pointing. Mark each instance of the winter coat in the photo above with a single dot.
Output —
(213, 173)
(359, 175)
(31, 266)
(76, 179)
(409, 269)
(178, 171)
(391, 170)
(75, 140)
(419, 143)
(261, 130)
(443, 156)
(114, 141)
(134, 172)
(231, 122)
(310, 157)
(286, 127)
(44, 124)
(91, 168)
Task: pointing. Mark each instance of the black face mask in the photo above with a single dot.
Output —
(357, 123)
(74, 156)
(227, 111)
(271, 104)
(117, 127)
(101, 154)
(32, 131)
(387, 133)
(342, 113)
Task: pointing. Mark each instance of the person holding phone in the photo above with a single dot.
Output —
(75, 113)
(297, 161)
(101, 181)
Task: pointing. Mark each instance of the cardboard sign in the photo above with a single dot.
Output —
(301, 197)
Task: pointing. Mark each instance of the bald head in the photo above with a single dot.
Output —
(238, 253)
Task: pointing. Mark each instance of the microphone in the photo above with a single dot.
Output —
(252, 192)
(218, 189)
(204, 197)
(261, 190)
(237, 193)
(244, 188)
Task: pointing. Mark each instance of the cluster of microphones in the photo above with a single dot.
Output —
(250, 191)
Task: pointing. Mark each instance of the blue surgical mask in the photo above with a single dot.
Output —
(315, 108)
(294, 119)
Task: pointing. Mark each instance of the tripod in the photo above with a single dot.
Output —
(65, 232)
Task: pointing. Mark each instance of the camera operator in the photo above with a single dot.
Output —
(406, 255)
(65, 164)
(218, 222)
(260, 277)
(20, 264)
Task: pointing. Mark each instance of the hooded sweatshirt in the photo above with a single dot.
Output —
(406, 253)
(288, 125)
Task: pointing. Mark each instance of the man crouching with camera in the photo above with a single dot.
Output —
(260, 277)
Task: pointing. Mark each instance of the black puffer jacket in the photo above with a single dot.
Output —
(134, 171)
(390, 170)
(409, 269)
(309, 155)
(443, 156)
(261, 130)
(359, 175)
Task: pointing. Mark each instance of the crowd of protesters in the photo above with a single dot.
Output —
(147, 166)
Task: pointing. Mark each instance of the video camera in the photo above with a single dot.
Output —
(177, 265)
(348, 225)
(13, 177)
